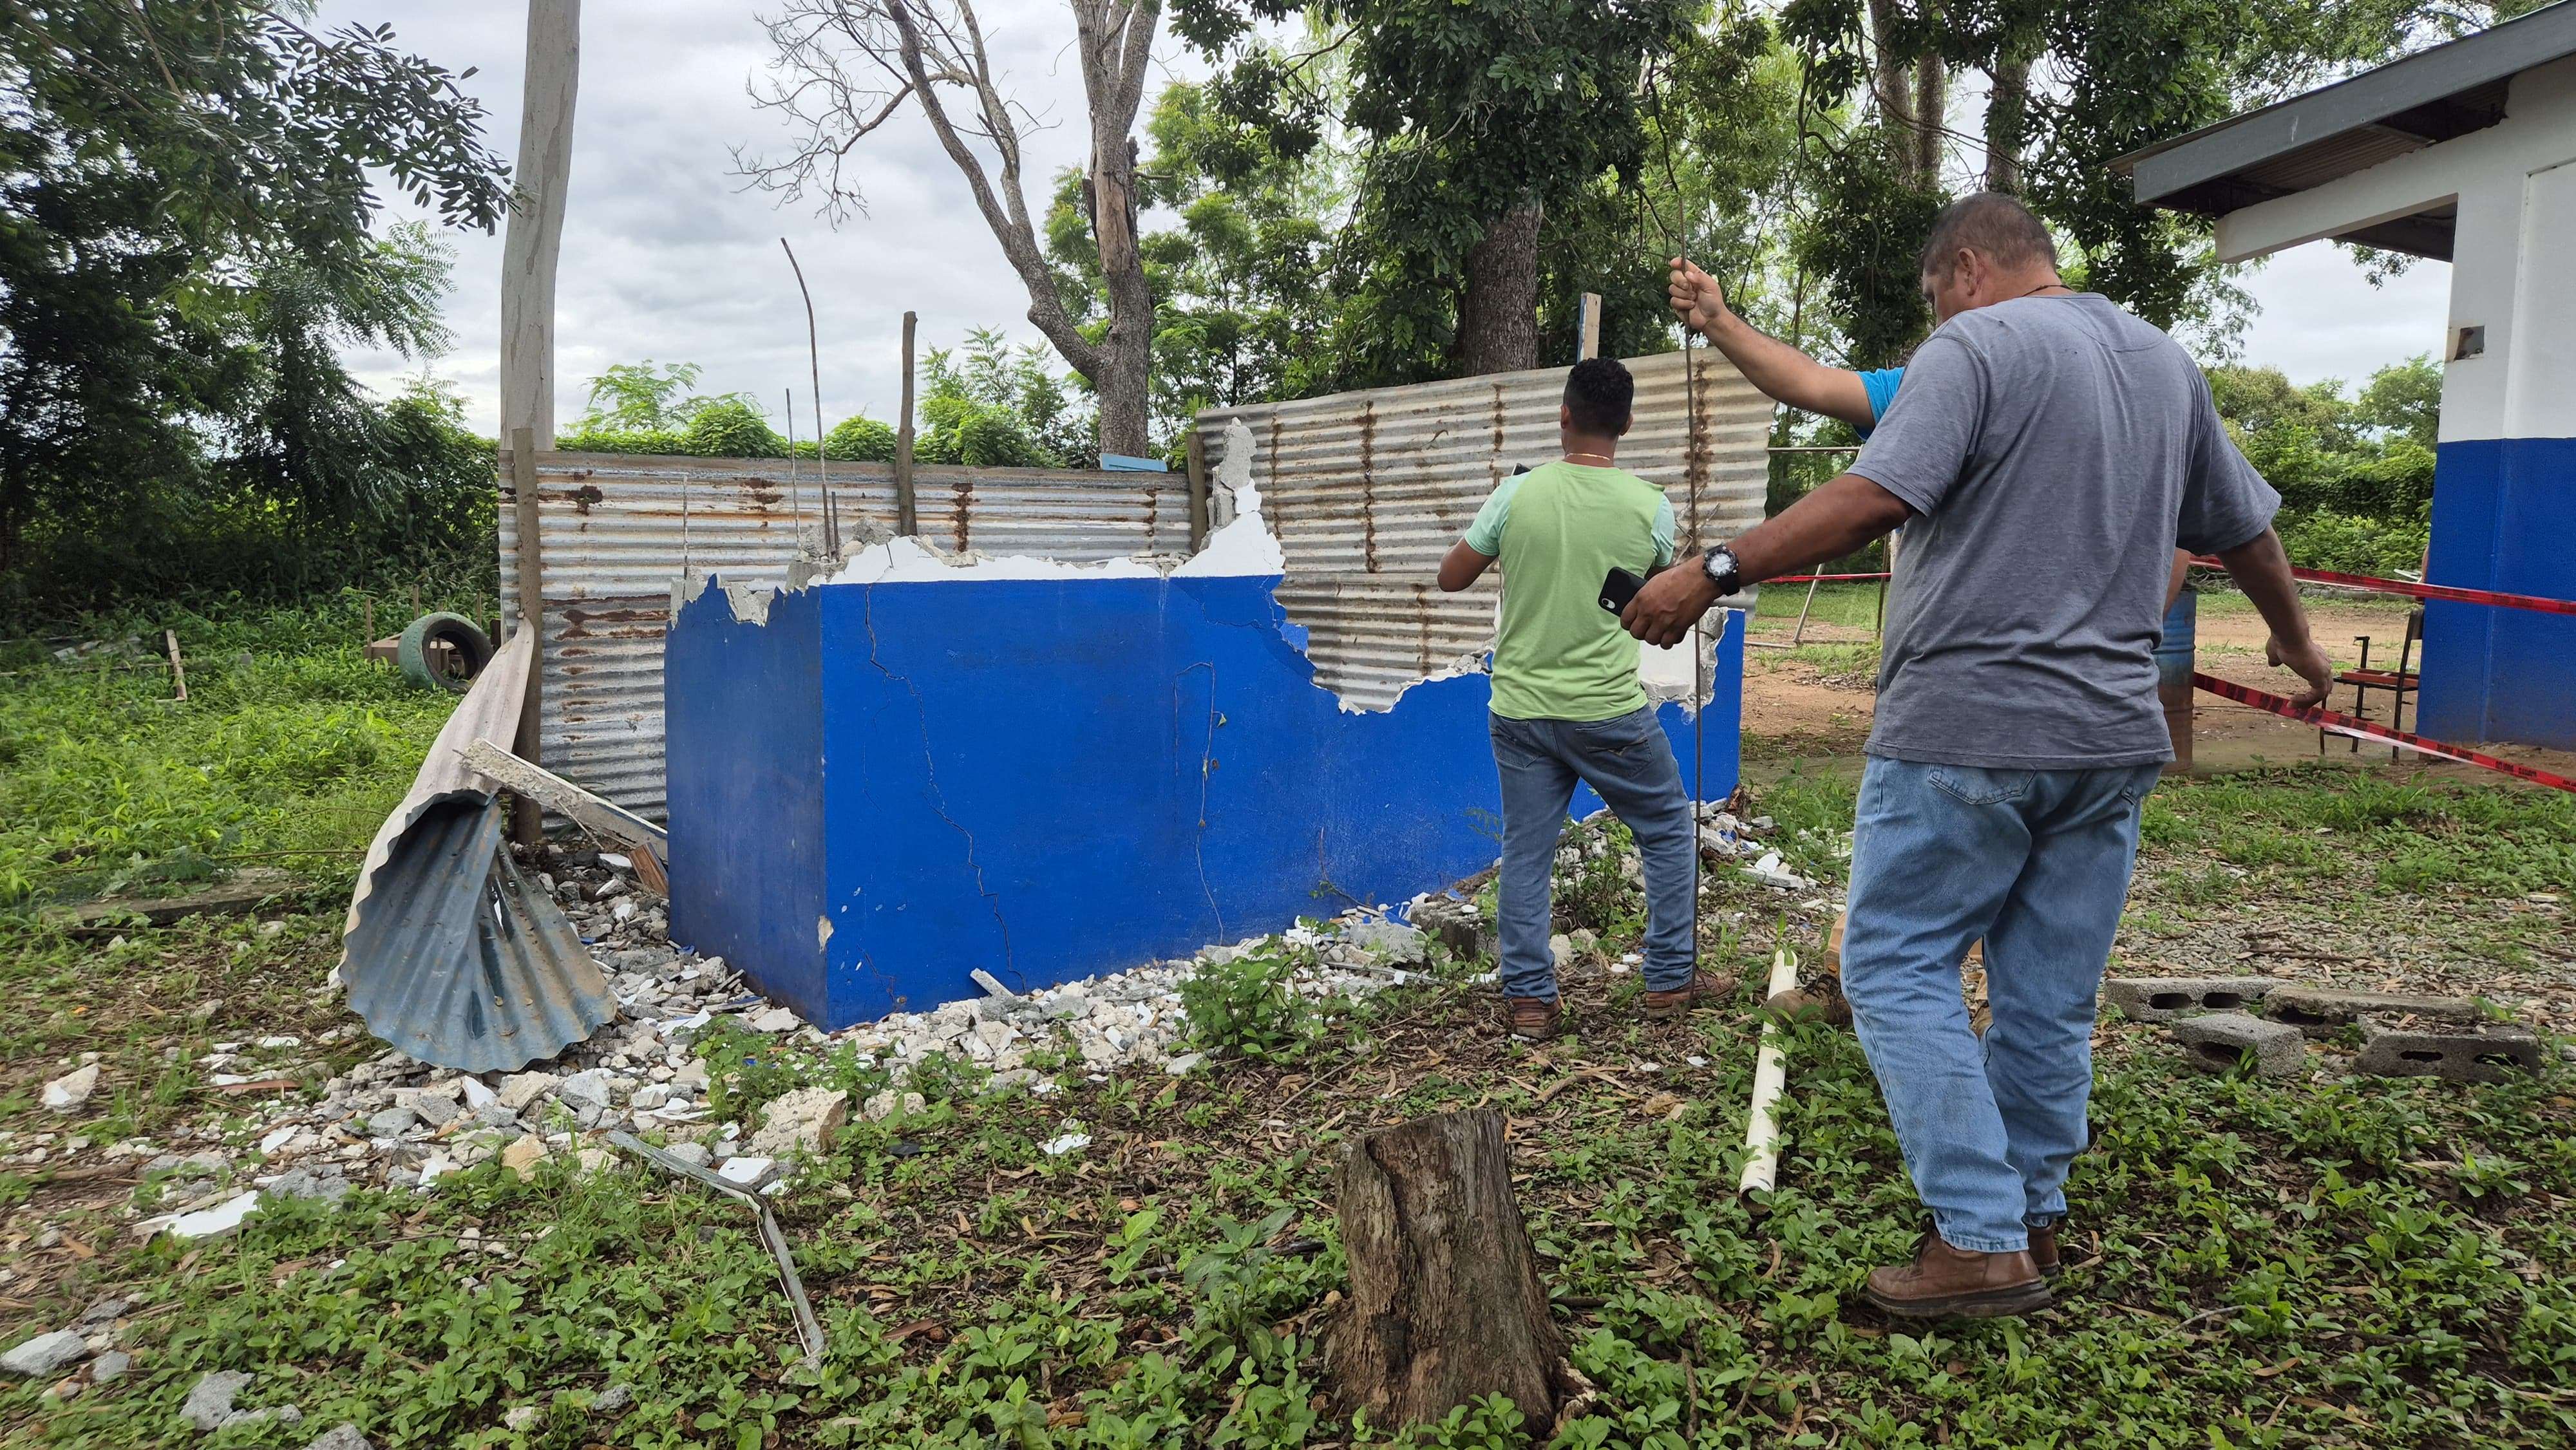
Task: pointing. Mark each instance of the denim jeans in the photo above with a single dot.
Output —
(2037, 863)
(1629, 762)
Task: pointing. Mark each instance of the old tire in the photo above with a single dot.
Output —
(472, 647)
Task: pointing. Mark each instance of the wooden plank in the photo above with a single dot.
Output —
(1590, 343)
(535, 783)
(178, 673)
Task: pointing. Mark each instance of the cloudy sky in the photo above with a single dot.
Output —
(667, 256)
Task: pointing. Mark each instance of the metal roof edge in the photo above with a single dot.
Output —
(2496, 53)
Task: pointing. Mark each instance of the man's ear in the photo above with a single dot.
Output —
(1564, 416)
(1631, 423)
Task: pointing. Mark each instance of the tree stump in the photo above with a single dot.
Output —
(1445, 1302)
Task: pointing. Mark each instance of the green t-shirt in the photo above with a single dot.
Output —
(1559, 530)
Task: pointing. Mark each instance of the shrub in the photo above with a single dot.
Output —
(731, 428)
(861, 438)
(2350, 544)
(1250, 1006)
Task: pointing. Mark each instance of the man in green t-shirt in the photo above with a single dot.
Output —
(1567, 703)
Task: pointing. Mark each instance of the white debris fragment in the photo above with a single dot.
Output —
(67, 1093)
(214, 1222)
(1068, 1143)
(746, 1169)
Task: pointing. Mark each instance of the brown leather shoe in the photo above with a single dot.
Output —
(1823, 1002)
(2043, 1251)
(1944, 1283)
(1701, 991)
(1535, 1019)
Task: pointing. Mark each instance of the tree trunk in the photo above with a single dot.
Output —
(2007, 123)
(1498, 319)
(1892, 86)
(1445, 1301)
(1126, 352)
(1931, 109)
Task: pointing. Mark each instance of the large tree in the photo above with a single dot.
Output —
(186, 192)
(845, 68)
(1473, 119)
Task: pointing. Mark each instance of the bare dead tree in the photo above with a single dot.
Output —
(845, 68)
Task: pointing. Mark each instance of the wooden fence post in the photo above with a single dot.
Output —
(1198, 490)
(527, 822)
(1589, 344)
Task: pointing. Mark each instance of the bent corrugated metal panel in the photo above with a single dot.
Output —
(1367, 490)
(454, 958)
(618, 530)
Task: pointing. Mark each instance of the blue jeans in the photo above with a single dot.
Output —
(2037, 863)
(1629, 762)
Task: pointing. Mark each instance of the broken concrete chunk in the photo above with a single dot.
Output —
(1185, 1064)
(523, 1155)
(2322, 1011)
(889, 1103)
(2162, 999)
(804, 1121)
(67, 1093)
(772, 1019)
(522, 1088)
(749, 1170)
(991, 984)
(304, 1183)
(343, 1436)
(1391, 941)
(392, 1123)
(45, 1355)
(2464, 1053)
(110, 1367)
(590, 1089)
(215, 1222)
(211, 1402)
(612, 1399)
(693, 1154)
(2218, 1041)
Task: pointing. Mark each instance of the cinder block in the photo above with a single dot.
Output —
(2217, 1041)
(2162, 999)
(2485, 1053)
(2324, 1011)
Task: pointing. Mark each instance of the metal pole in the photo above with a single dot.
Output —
(906, 508)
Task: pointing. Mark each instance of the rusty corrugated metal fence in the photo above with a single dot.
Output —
(617, 530)
(1367, 490)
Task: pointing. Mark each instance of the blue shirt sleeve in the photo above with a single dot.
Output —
(1880, 384)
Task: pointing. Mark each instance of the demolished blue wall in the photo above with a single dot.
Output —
(748, 812)
(1054, 778)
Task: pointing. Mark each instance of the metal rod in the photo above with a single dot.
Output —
(906, 508)
(822, 451)
(808, 1329)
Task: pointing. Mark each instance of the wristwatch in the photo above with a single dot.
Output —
(1722, 570)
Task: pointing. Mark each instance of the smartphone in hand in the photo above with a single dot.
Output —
(1618, 588)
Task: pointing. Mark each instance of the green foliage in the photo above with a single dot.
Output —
(731, 428)
(999, 406)
(2355, 476)
(187, 245)
(861, 438)
(1250, 1006)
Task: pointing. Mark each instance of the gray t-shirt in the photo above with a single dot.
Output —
(2057, 450)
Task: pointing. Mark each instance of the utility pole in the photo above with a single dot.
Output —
(535, 238)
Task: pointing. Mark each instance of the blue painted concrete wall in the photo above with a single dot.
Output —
(1054, 778)
(2504, 518)
(743, 706)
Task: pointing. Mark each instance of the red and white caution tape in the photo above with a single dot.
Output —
(2336, 723)
(2535, 602)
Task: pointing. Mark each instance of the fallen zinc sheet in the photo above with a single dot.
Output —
(450, 953)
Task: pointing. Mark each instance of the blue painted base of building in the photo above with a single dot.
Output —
(2504, 518)
(886, 786)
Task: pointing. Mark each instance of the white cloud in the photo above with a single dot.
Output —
(666, 254)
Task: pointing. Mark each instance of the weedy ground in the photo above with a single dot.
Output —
(2327, 1261)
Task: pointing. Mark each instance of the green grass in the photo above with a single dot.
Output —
(1851, 605)
(288, 752)
(2254, 1263)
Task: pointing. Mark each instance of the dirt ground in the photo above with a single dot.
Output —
(1819, 700)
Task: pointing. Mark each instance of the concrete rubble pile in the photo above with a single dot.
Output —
(2216, 1021)
(393, 1122)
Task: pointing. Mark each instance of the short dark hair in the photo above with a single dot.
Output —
(1989, 222)
(1600, 395)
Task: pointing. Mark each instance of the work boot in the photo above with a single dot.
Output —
(2043, 1250)
(1534, 1019)
(1702, 990)
(1823, 1002)
(1944, 1283)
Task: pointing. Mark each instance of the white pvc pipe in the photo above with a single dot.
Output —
(1770, 1079)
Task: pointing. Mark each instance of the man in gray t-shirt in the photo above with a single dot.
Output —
(2046, 455)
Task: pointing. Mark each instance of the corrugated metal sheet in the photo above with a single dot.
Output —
(456, 959)
(1367, 490)
(617, 530)
(447, 953)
